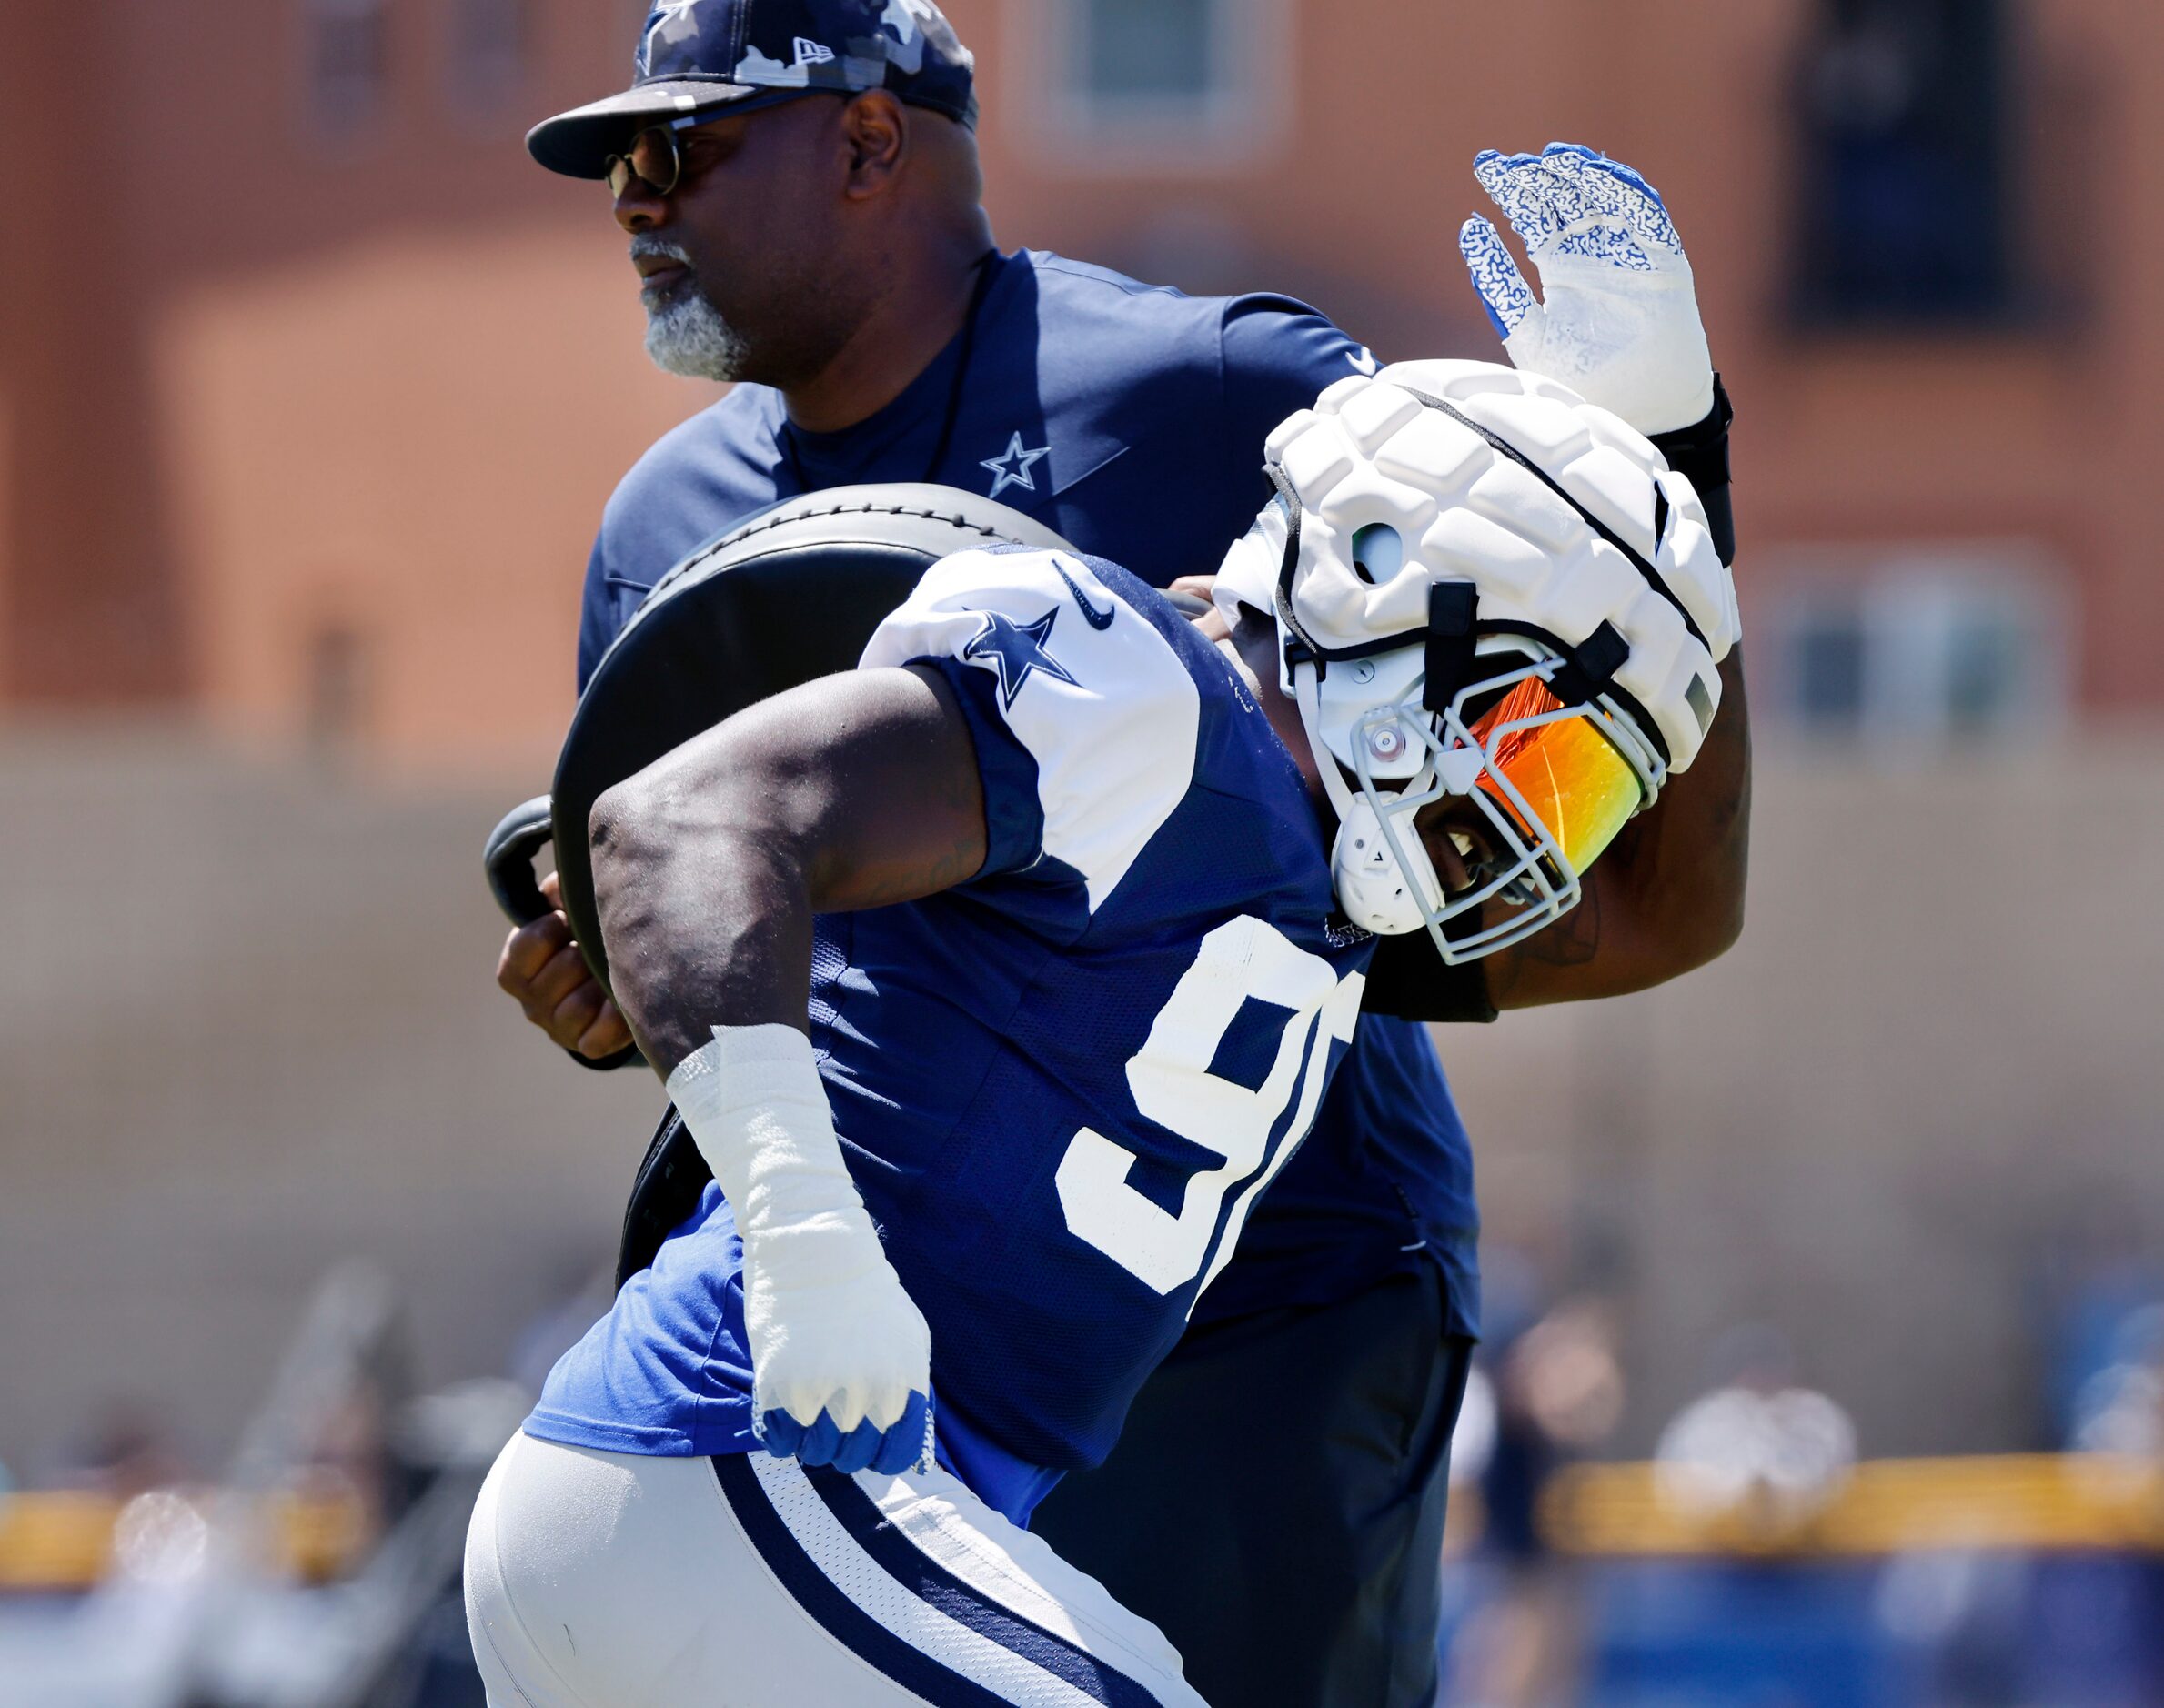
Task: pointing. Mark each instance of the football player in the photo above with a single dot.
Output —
(1057, 917)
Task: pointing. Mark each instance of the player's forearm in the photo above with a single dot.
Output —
(709, 867)
(1666, 897)
(855, 791)
(1681, 880)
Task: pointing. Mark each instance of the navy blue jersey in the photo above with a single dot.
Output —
(1062, 1085)
(1132, 420)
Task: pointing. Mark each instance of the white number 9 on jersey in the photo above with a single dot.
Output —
(1173, 1085)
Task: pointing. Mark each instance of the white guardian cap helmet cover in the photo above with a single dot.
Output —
(1485, 588)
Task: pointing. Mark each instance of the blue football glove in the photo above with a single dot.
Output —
(1619, 324)
(889, 1452)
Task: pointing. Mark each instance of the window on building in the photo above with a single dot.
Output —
(348, 52)
(1156, 51)
(1827, 650)
(492, 44)
(1129, 85)
(1936, 648)
(1906, 203)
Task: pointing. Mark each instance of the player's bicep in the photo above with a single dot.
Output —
(877, 780)
(913, 820)
(855, 790)
(710, 865)
(1084, 717)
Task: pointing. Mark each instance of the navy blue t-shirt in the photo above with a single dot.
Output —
(1131, 418)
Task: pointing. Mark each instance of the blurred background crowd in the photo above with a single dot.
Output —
(1825, 1356)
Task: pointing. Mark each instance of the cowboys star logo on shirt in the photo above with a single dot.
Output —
(1012, 467)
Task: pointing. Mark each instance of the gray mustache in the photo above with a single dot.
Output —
(646, 244)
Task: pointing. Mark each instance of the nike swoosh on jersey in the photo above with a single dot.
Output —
(1091, 614)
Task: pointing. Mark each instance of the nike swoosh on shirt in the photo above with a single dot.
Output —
(1091, 614)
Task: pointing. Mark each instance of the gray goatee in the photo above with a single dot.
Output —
(686, 334)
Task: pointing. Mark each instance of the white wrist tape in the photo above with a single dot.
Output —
(830, 1324)
(753, 1102)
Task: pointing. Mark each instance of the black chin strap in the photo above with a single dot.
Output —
(1288, 619)
(1453, 629)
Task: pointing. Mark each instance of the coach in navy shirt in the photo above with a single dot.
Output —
(1276, 1502)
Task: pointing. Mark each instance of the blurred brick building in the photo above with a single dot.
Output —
(311, 386)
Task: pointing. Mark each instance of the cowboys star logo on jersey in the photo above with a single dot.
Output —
(1016, 651)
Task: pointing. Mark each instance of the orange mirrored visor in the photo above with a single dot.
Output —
(1571, 777)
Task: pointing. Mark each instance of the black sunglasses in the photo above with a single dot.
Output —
(656, 161)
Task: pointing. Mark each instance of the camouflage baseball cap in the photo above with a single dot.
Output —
(700, 55)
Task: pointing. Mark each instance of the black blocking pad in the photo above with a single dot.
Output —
(792, 595)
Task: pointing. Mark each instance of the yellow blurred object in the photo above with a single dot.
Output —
(54, 1542)
(61, 1542)
(320, 1537)
(2036, 1502)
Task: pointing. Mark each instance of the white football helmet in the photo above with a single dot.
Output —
(1486, 589)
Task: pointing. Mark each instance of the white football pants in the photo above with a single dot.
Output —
(600, 1579)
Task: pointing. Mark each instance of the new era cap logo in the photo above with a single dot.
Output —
(810, 53)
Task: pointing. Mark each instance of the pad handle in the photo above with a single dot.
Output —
(522, 833)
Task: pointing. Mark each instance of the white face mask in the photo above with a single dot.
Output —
(1545, 783)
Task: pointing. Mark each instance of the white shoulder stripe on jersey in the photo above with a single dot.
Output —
(1112, 730)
